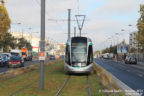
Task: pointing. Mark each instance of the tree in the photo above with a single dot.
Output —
(97, 52)
(113, 49)
(140, 26)
(4, 21)
(8, 42)
(6, 39)
(132, 50)
(107, 50)
(123, 42)
(24, 43)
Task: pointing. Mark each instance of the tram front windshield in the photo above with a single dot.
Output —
(79, 52)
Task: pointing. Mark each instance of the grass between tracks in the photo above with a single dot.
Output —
(54, 79)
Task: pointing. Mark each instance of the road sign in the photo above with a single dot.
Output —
(124, 48)
(42, 55)
(119, 48)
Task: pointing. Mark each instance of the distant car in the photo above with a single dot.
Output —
(1, 61)
(52, 57)
(130, 60)
(62, 56)
(106, 56)
(16, 61)
(30, 57)
(5, 59)
(7, 54)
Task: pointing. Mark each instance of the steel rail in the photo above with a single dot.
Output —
(88, 86)
(60, 90)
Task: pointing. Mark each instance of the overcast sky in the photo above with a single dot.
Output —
(105, 18)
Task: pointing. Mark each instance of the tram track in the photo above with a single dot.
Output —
(66, 81)
(88, 86)
(28, 85)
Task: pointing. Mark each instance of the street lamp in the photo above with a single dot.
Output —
(117, 34)
(14, 24)
(110, 40)
(22, 29)
(29, 28)
(126, 30)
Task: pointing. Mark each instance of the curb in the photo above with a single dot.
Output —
(140, 63)
(3, 72)
(123, 86)
(22, 67)
(8, 70)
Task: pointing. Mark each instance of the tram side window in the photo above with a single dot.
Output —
(90, 55)
(67, 59)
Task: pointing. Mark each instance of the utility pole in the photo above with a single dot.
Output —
(138, 44)
(22, 33)
(42, 43)
(69, 22)
(74, 31)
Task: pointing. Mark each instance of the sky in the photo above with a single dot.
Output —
(104, 18)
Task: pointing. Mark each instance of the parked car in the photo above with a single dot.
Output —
(5, 59)
(7, 54)
(52, 57)
(130, 60)
(126, 59)
(16, 61)
(1, 61)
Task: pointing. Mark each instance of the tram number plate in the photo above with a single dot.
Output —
(78, 64)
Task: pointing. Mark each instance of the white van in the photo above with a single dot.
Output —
(16, 52)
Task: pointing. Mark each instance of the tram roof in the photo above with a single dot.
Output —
(69, 40)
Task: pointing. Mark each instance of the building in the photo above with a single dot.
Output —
(54, 48)
(20, 35)
(51, 47)
(61, 49)
(35, 44)
(32, 39)
(132, 40)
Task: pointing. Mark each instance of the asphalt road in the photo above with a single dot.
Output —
(26, 64)
(131, 75)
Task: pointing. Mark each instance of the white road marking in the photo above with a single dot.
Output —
(128, 70)
(140, 75)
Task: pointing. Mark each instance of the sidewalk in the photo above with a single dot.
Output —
(140, 63)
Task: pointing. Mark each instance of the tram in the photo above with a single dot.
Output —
(79, 55)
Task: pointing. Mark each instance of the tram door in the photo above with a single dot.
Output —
(90, 55)
(67, 56)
